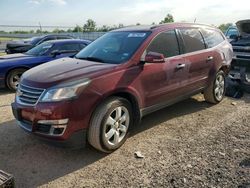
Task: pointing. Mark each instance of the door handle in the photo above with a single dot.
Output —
(180, 66)
(210, 58)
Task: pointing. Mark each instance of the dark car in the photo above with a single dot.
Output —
(240, 69)
(231, 32)
(122, 76)
(24, 45)
(14, 65)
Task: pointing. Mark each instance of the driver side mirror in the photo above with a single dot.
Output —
(154, 57)
(55, 53)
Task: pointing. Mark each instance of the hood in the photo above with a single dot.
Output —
(15, 60)
(13, 57)
(63, 70)
(244, 27)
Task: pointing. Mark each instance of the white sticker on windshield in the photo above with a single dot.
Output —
(46, 47)
(137, 35)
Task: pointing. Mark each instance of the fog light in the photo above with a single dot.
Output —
(54, 127)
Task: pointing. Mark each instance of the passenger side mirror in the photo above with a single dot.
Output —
(55, 53)
(154, 57)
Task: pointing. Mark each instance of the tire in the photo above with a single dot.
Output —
(110, 124)
(216, 90)
(13, 78)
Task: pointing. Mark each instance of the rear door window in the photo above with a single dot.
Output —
(193, 40)
(212, 37)
(165, 43)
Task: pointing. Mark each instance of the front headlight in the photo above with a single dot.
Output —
(65, 91)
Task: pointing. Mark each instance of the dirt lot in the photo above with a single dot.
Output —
(190, 144)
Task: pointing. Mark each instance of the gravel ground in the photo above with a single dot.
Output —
(190, 144)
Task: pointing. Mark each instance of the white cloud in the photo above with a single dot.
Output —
(56, 2)
(211, 12)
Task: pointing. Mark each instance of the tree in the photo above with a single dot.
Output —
(138, 23)
(169, 18)
(77, 29)
(224, 27)
(89, 26)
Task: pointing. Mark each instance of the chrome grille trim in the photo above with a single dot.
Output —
(27, 95)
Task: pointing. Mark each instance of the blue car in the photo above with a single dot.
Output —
(13, 66)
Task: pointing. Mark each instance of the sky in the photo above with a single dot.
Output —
(114, 12)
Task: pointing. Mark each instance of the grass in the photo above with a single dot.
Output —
(7, 38)
(2, 53)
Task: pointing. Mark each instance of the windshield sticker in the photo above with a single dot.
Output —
(46, 47)
(141, 35)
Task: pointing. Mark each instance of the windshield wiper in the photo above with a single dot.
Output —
(91, 59)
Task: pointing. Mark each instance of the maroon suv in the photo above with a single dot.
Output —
(122, 76)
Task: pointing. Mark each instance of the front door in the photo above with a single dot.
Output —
(161, 82)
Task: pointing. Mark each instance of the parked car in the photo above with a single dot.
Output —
(20, 46)
(240, 69)
(231, 32)
(14, 65)
(122, 76)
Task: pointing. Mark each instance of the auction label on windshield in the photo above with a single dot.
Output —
(137, 35)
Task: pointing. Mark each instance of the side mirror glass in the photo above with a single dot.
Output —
(154, 57)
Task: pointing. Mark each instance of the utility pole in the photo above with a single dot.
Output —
(40, 26)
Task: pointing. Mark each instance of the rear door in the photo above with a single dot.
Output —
(199, 59)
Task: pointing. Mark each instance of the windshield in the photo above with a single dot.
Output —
(114, 47)
(40, 49)
(232, 31)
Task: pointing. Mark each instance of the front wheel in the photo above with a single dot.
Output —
(13, 78)
(216, 90)
(110, 124)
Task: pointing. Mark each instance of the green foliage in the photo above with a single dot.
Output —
(90, 26)
(224, 27)
(169, 18)
(77, 29)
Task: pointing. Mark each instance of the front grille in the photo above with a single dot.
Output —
(28, 95)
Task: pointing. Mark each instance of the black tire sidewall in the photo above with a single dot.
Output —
(115, 104)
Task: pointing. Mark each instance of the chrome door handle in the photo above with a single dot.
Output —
(180, 66)
(210, 58)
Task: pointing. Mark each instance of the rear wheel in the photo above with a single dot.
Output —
(110, 124)
(216, 91)
(13, 78)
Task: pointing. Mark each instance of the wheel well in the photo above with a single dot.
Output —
(7, 73)
(135, 105)
(224, 69)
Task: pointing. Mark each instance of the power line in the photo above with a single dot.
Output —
(32, 26)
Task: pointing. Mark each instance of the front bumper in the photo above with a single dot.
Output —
(2, 82)
(57, 122)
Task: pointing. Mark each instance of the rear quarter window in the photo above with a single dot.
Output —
(212, 37)
(193, 40)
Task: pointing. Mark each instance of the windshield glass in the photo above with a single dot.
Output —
(114, 47)
(40, 49)
(232, 31)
